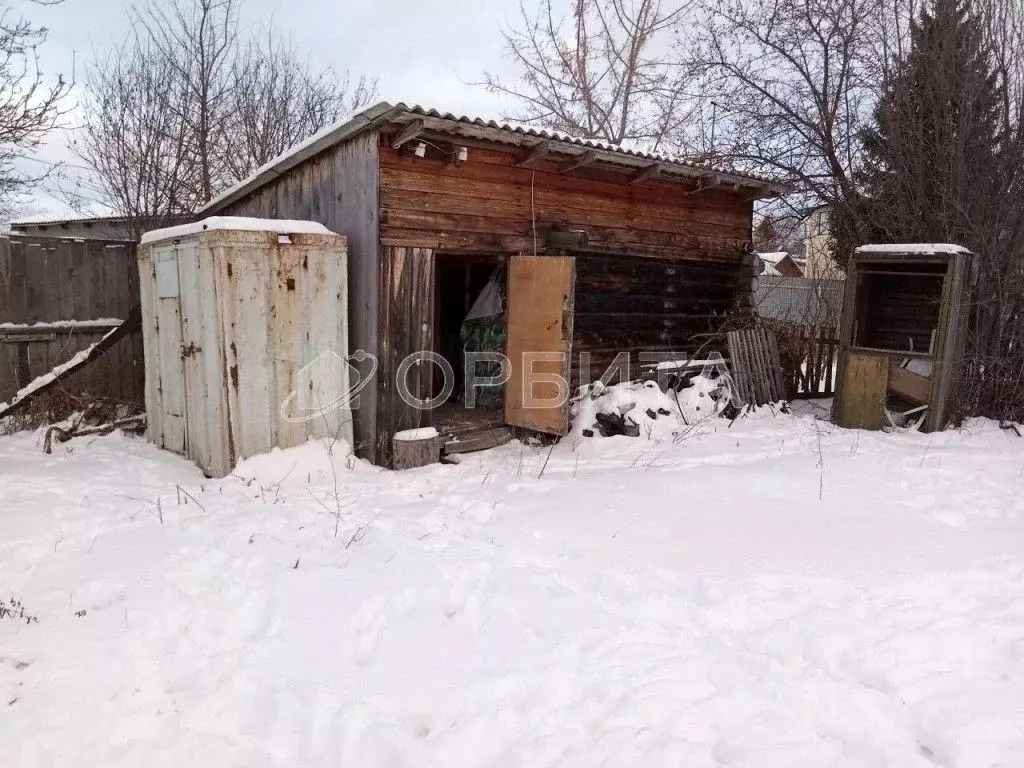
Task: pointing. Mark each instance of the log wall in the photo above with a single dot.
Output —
(660, 307)
(489, 204)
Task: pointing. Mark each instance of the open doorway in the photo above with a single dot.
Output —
(469, 299)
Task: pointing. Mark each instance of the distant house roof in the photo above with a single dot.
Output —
(48, 220)
(780, 264)
(84, 227)
(384, 113)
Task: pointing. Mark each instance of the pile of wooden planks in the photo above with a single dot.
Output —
(756, 370)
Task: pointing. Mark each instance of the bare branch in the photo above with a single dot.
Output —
(601, 73)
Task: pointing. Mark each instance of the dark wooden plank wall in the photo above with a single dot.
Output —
(406, 312)
(43, 280)
(649, 305)
(900, 311)
(487, 203)
(339, 189)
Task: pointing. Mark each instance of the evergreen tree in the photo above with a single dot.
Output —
(933, 158)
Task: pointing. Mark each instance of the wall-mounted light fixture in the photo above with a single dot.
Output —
(463, 154)
(421, 149)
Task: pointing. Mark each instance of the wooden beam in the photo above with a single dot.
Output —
(578, 162)
(645, 173)
(539, 151)
(410, 132)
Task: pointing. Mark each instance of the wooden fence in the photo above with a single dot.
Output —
(58, 296)
(809, 360)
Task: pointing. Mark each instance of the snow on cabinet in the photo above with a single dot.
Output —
(245, 332)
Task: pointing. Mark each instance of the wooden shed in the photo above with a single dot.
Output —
(598, 250)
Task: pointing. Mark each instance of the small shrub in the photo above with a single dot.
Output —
(13, 610)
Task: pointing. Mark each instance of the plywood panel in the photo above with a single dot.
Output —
(865, 385)
(909, 385)
(540, 311)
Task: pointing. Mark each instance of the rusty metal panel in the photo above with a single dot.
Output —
(319, 351)
(245, 265)
(150, 344)
(202, 360)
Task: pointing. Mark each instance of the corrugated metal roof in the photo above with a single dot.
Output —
(551, 135)
(384, 113)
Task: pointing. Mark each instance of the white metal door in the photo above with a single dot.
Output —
(174, 426)
(202, 361)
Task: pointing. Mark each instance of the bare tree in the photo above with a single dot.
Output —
(30, 103)
(184, 108)
(196, 39)
(133, 137)
(793, 80)
(602, 73)
(1004, 36)
(276, 101)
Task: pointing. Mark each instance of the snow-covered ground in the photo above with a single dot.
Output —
(780, 592)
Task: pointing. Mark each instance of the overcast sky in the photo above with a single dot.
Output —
(423, 52)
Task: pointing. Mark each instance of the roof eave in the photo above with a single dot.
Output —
(373, 117)
(384, 113)
(760, 187)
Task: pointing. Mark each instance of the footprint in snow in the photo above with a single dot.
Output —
(466, 591)
(368, 628)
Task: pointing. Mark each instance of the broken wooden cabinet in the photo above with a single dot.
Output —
(901, 335)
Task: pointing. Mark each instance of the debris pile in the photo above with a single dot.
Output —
(643, 409)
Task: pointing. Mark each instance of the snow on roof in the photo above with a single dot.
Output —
(383, 113)
(771, 262)
(49, 217)
(774, 257)
(912, 248)
(280, 226)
